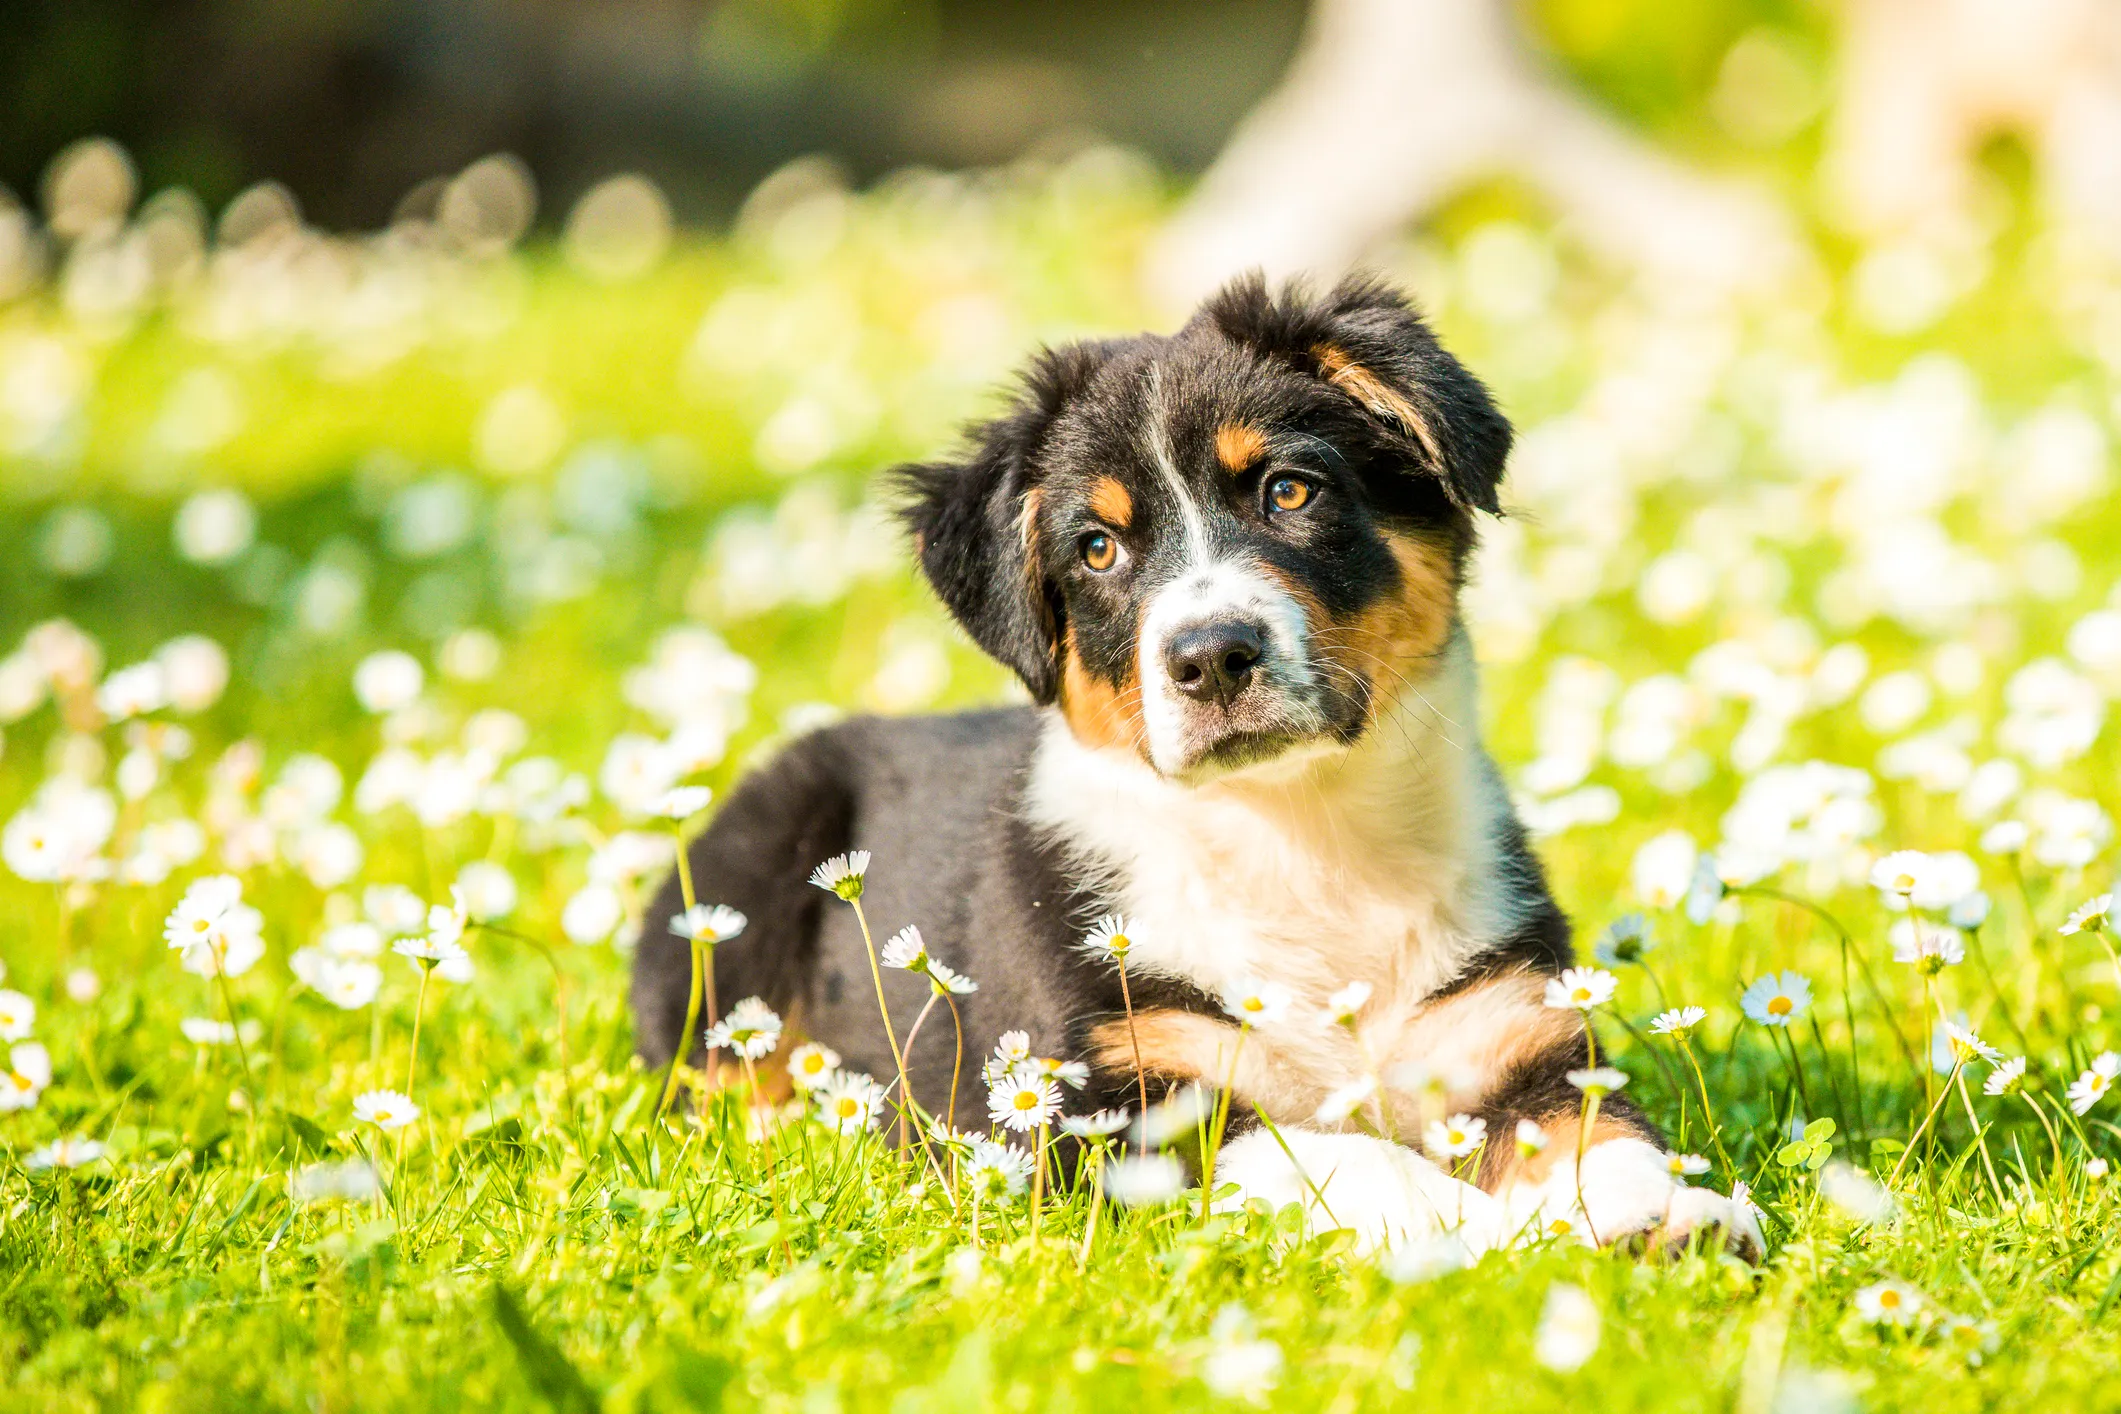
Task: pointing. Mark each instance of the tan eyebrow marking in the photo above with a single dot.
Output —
(1111, 502)
(1238, 446)
(1378, 396)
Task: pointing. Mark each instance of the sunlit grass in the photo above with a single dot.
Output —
(538, 1240)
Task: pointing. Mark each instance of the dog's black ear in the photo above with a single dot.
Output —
(1365, 339)
(974, 523)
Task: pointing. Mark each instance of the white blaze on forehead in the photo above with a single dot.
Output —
(1207, 587)
(1193, 527)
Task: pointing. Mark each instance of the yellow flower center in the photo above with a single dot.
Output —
(1027, 1099)
(200, 925)
(1559, 1227)
(1903, 883)
(18, 1080)
(1781, 1006)
(1581, 994)
(1889, 1300)
(846, 1107)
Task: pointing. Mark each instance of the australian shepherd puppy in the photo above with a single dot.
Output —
(1226, 565)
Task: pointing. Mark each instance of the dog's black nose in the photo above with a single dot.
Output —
(1214, 661)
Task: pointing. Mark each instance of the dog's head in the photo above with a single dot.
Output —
(1219, 547)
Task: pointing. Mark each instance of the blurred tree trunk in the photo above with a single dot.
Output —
(1923, 83)
(1393, 105)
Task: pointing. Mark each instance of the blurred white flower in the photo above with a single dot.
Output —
(1258, 1003)
(750, 1030)
(18, 1016)
(214, 527)
(385, 1109)
(592, 913)
(388, 681)
(27, 1075)
(487, 890)
(1569, 1329)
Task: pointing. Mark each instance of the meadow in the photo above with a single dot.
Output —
(359, 571)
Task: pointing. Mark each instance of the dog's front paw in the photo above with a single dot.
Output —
(1384, 1193)
(1625, 1190)
(1694, 1210)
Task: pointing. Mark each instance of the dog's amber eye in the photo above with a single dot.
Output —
(1290, 493)
(1100, 552)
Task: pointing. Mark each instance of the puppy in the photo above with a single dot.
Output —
(1226, 565)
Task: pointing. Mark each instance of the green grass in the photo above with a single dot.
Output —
(543, 1243)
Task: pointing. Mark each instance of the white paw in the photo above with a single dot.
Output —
(1693, 1209)
(1385, 1193)
(1626, 1188)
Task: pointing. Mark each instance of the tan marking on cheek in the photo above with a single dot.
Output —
(1238, 446)
(1390, 644)
(1379, 397)
(1097, 712)
(1111, 504)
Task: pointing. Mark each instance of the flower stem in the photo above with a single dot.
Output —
(1980, 1137)
(228, 1000)
(957, 1024)
(1708, 1115)
(898, 1057)
(1141, 1078)
(686, 1032)
(1097, 1202)
(419, 1009)
(1911, 1143)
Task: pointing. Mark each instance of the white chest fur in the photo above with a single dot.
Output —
(1377, 863)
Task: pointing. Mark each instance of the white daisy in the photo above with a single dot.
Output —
(1889, 1303)
(1341, 1104)
(1102, 1125)
(905, 949)
(1346, 1004)
(709, 925)
(842, 874)
(2093, 915)
(1581, 989)
(2091, 1087)
(945, 980)
(1023, 1100)
(1777, 999)
(1456, 1137)
(997, 1171)
(1531, 1139)
(1901, 873)
(64, 1154)
(432, 951)
(1686, 1165)
(18, 1016)
(385, 1109)
(1109, 936)
(682, 802)
(810, 1065)
(1928, 948)
(2005, 1078)
(1625, 940)
(1598, 1081)
(1966, 1046)
(1258, 1003)
(1143, 1180)
(27, 1075)
(849, 1104)
(751, 1030)
(1679, 1021)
